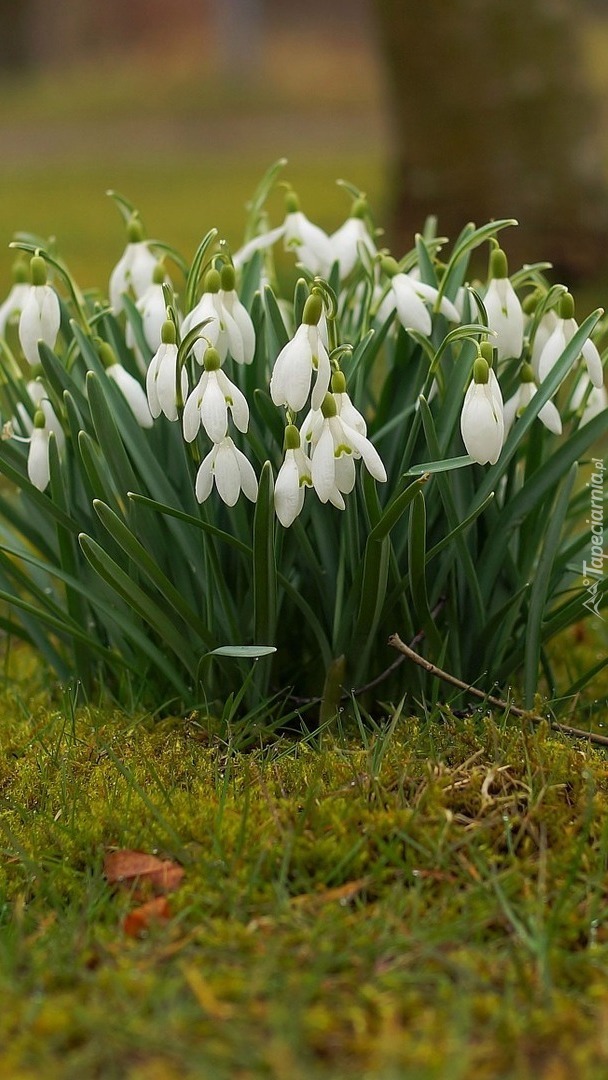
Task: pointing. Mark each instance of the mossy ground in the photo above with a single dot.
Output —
(424, 901)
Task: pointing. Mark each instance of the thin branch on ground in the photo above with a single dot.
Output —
(496, 703)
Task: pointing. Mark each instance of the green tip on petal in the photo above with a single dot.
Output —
(228, 277)
(313, 309)
(390, 266)
(486, 350)
(532, 300)
(135, 230)
(481, 371)
(38, 270)
(39, 419)
(292, 203)
(211, 359)
(213, 281)
(499, 267)
(359, 208)
(168, 333)
(107, 354)
(338, 382)
(328, 406)
(527, 373)
(292, 437)
(566, 306)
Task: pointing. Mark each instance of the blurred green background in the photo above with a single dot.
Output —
(182, 107)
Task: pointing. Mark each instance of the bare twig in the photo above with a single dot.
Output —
(496, 703)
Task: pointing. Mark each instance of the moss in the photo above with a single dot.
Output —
(436, 896)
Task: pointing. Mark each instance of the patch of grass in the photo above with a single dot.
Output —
(422, 900)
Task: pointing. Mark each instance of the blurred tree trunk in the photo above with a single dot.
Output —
(492, 117)
(16, 52)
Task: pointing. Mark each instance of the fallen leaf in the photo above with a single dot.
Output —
(341, 894)
(135, 868)
(138, 921)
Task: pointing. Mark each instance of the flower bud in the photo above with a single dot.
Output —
(228, 277)
(38, 270)
(338, 382)
(313, 309)
(499, 267)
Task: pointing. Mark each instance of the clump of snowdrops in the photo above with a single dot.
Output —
(221, 483)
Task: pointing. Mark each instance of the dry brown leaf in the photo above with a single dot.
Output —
(341, 894)
(138, 921)
(135, 868)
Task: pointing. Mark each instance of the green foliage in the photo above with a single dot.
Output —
(124, 581)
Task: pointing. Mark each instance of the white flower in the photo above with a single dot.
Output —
(209, 402)
(505, 318)
(597, 400)
(236, 319)
(544, 330)
(41, 314)
(292, 479)
(481, 420)
(345, 244)
(38, 468)
(161, 381)
(210, 311)
(133, 393)
(133, 271)
(335, 446)
(293, 367)
(310, 243)
(38, 395)
(13, 305)
(408, 295)
(232, 473)
(564, 331)
(514, 407)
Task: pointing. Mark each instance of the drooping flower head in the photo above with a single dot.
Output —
(161, 377)
(40, 315)
(407, 295)
(563, 332)
(305, 353)
(481, 420)
(350, 237)
(235, 317)
(514, 407)
(334, 447)
(134, 271)
(131, 390)
(292, 479)
(505, 314)
(11, 308)
(210, 401)
(232, 472)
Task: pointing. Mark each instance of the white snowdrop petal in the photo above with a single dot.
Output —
(248, 479)
(371, 457)
(213, 410)
(345, 474)
(288, 493)
(133, 394)
(38, 469)
(412, 313)
(227, 472)
(323, 376)
(550, 417)
(593, 363)
(204, 477)
(323, 464)
(551, 352)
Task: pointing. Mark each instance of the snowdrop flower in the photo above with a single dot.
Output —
(563, 333)
(236, 319)
(38, 396)
(161, 377)
(515, 406)
(597, 399)
(129, 387)
(41, 314)
(232, 473)
(408, 296)
(310, 243)
(505, 314)
(335, 445)
(210, 312)
(292, 479)
(292, 372)
(346, 240)
(13, 305)
(481, 420)
(134, 271)
(544, 330)
(38, 468)
(209, 402)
